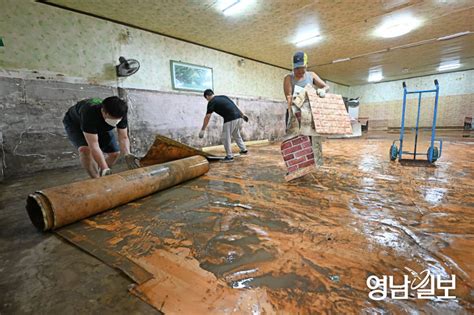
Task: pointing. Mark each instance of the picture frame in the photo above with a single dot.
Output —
(190, 77)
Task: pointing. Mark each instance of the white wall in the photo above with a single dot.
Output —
(382, 102)
(454, 83)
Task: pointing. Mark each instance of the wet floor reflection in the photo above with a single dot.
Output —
(242, 239)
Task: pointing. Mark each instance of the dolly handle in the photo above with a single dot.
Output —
(436, 82)
(404, 85)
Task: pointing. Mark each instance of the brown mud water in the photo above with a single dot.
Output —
(304, 247)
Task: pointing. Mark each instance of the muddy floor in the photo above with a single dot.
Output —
(241, 239)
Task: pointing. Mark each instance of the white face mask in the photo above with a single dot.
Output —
(112, 121)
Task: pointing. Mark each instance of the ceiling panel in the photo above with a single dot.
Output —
(401, 63)
(266, 31)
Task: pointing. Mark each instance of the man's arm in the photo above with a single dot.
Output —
(206, 121)
(242, 115)
(93, 143)
(204, 125)
(319, 83)
(124, 141)
(287, 90)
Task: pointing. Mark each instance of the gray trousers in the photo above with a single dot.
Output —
(231, 130)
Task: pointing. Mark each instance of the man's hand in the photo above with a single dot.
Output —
(201, 134)
(321, 93)
(245, 118)
(105, 172)
(132, 161)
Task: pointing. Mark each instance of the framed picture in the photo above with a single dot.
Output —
(189, 77)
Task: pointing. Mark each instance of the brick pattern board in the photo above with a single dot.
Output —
(298, 173)
(298, 154)
(329, 113)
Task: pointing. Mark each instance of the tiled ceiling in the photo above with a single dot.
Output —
(266, 31)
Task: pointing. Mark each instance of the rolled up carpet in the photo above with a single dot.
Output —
(58, 206)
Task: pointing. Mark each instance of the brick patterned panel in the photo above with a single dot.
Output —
(298, 155)
(329, 113)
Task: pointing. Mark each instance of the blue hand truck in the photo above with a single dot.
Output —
(433, 152)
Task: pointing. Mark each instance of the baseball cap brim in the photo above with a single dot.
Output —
(299, 65)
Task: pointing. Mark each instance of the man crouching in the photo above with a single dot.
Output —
(89, 126)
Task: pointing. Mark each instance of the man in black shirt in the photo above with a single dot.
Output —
(89, 126)
(224, 107)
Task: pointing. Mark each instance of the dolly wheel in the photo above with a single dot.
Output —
(435, 154)
(393, 152)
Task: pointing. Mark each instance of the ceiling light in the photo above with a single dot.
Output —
(235, 6)
(454, 35)
(341, 60)
(308, 41)
(370, 53)
(397, 26)
(375, 77)
(421, 42)
(375, 74)
(449, 65)
(231, 6)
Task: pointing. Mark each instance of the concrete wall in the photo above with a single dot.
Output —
(30, 120)
(33, 137)
(383, 101)
(2, 158)
(180, 116)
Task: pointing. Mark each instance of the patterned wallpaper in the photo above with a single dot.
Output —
(47, 39)
(267, 30)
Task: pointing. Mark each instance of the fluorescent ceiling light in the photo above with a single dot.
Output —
(229, 8)
(375, 75)
(235, 6)
(397, 26)
(449, 65)
(308, 41)
(421, 42)
(341, 60)
(454, 35)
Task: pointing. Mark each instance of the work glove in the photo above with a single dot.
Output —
(321, 93)
(132, 161)
(245, 118)
(201, 134)
(105, 172)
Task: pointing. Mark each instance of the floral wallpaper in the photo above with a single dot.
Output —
(267, 31)
(40, 38)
